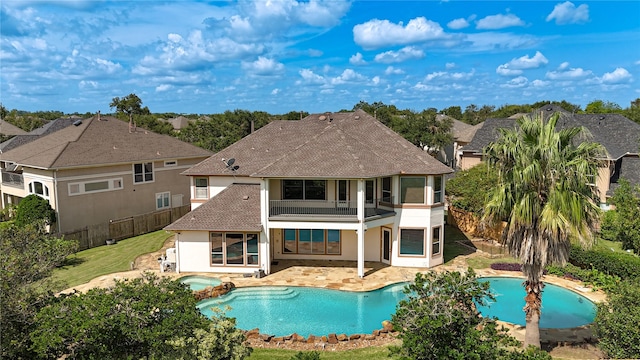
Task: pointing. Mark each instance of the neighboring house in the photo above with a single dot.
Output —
(619, 135)
(10, 129)
(46, 129)
(96, 170)
(462, 135)
(334, 186)
(179, 122)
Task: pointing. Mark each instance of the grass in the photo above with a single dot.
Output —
(85, 265)
(369, 353)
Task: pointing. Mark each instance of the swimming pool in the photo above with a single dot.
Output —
(200, 282)
(561, 308)
(281, 311)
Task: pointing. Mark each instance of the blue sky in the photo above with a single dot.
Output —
(315, 56)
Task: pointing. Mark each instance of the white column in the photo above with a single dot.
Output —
(360, 231)
(265, 240)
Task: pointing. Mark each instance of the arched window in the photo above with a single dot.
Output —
(38, 188)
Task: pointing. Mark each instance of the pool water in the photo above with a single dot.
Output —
(282, 311)
(200, 282)
(561, 308)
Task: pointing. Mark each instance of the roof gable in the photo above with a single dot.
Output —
(10, 129)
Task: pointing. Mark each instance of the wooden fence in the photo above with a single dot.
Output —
(97, 235)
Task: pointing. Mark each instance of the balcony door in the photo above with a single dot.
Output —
(342, 193)
(386, 245)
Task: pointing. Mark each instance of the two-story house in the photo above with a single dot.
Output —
(99, 169)
(333, 186)
(619, 136)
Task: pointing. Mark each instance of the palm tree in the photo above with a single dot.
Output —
(547, 196)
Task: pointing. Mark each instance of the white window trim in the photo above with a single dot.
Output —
(81, 186)
(164, 194)
(170, 163)
(441, 191)
(195, 188)
(424, 243)
(439, 242)
(45, 189)
(153, 173)
(424, 190)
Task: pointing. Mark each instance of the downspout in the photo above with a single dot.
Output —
(177, 253)
(55, 196)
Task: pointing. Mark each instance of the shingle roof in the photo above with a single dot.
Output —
(615, 132)
(10, 129)
(46, 129)
(630, 170)
(100, 142)
(236, 208)
(336, 145)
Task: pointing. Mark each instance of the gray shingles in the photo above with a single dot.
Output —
(236, 208)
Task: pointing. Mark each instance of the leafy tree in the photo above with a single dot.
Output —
(474, 115)
(602, 107)
(426, 131)
(616, 322)
(543, 194)
(129, 105)
(453, 111)
(633, 111)
(148, 317)
(27, 257)
(468, 189)
(34, 210)
(439, 320)
(626, 199)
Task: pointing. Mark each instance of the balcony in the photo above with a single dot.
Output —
(12, 179)
(325, 210)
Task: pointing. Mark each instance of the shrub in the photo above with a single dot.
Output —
(623, 265)
(468, 189)
(33, 209)
(616, 323)
(594, 277)
(439, 320)
(507, 266)
(609, 228)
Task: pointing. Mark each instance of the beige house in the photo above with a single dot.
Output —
(333, 186)
(619, 135)
(98, 170)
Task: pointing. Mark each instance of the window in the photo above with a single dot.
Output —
(412, 190)
(311, 241)
(95, 186)
(234, 249)
(143, 173)
(435, 240)
(163, 200)
(369, 191)
(386, 190)
(202, 188)
(304, 189)
(170, 163)
(437, 189)
(411, 241)
(38, 188)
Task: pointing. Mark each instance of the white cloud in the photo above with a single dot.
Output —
(568, 13)
(390, 70)
(315, 52)
(490, 41)
(378, 33)
(619, 75)
(444, 75)
(348, 75)
(516, 65)
(404, 54)
(500, 21)
(540, 83)
(108, 67)
(517, 82)
(376, 80)
(263, 66)
(458, 24)
(309, 77)
(357, 59)
(449, 65)
(275, 91)
(163, 87)
(87, 84)
(564, 72)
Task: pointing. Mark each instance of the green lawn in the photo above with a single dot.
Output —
(89, 264)
(370, 353)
